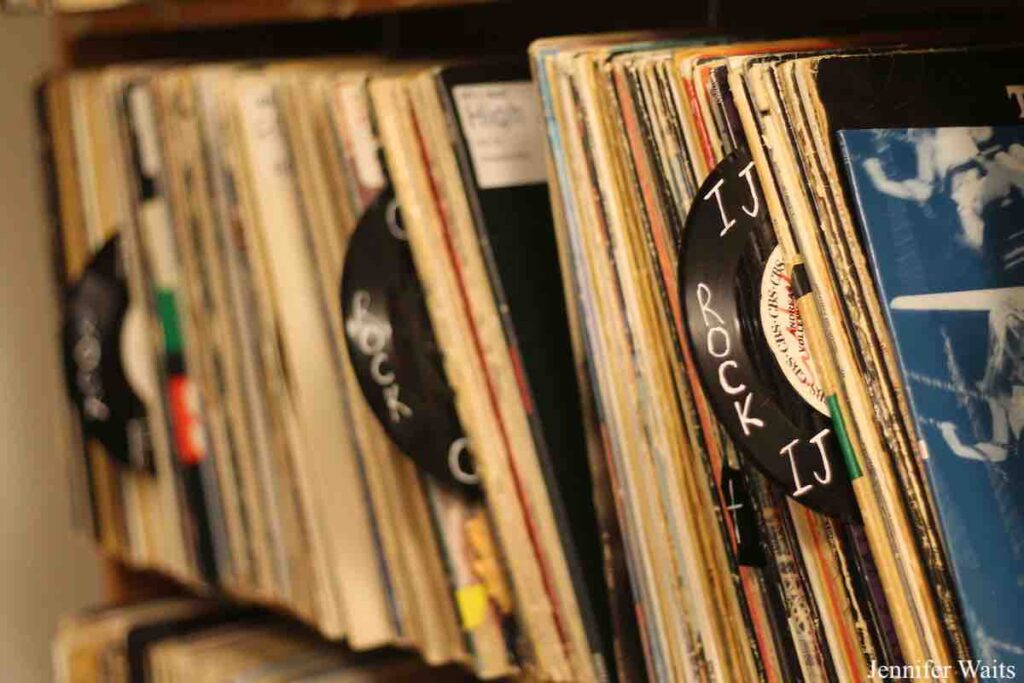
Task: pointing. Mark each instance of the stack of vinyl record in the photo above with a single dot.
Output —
(315, 341)
(795, 269)
(179, 639)
(744, 401)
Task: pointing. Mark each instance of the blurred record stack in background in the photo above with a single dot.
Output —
(249, 336)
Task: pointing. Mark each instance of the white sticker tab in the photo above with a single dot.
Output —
(503, 126)
(784, 331)
(144, 120)
(355, 108)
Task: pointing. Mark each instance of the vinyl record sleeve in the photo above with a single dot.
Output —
(186, 196)
(410, 155)
(800, 539)
(629, 319)
(858, 620)
(178, 393)
(512, 216)
(955, 222)
(628, 328)
(906, 587)
(469, 581)
(885, 526)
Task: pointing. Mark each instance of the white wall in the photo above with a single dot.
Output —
(45, 567)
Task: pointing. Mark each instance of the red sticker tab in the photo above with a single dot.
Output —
(184, 423)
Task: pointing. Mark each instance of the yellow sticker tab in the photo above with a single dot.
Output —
(472, 605)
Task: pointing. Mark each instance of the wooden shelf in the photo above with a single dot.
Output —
(165, 16)
(124, 584)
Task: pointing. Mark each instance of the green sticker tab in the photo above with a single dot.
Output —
(849, 457)
(168, 311)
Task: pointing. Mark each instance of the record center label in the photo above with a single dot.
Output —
(784, 332)
(727, 244)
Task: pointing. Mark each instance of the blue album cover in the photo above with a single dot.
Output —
(942, 211)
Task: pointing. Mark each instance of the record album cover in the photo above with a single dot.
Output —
(942, 211)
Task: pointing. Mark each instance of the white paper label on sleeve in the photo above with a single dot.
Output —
(503, 126)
